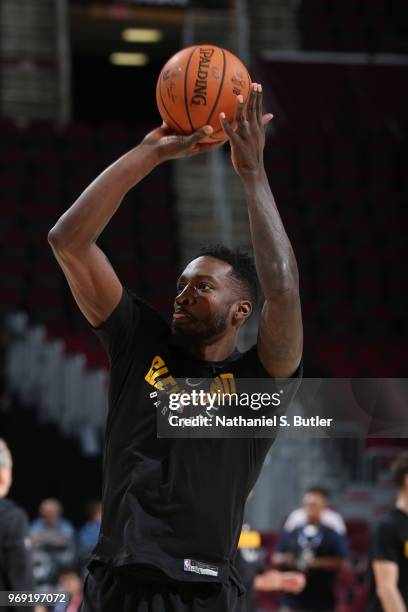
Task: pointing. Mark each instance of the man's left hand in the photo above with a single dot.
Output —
(274, 580)
(248, 141)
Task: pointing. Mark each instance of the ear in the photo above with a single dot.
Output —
(4, 486)
(242, 310)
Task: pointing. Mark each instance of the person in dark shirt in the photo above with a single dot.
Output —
(316, 549)
(389, 550)
(15, 557)
(250, 565)
(172, 509)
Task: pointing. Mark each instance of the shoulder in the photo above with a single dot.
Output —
(250, 361)
(385, 531)
(12, 515)
(9, 506)
(37, 525)
(287, 537)
(148, 312)
(132, 323)
(250, 365)
(386, 539)
(66, 526)
(295, 519)
(335, 541)
(333, 519)
(6, 506)
(330, 532)
(133, 309)
(386, 523)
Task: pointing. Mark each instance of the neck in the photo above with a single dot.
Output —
(402, 501)
(214, 349)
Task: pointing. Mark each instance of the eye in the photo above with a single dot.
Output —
(203, 286)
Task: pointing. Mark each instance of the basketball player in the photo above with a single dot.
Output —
(173, 509)
(389, 550)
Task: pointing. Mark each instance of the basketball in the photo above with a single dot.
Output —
(196, 85)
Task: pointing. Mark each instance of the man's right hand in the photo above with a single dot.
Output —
(169, 145)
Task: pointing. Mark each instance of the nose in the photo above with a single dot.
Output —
(185, 297)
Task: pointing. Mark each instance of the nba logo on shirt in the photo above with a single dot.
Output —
(198, 567)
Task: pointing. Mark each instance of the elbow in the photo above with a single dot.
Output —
(284, 278)
(54, 238)
(59, 240)
(65, 245)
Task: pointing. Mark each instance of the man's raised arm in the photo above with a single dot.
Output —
(93, 282)
(280, 339)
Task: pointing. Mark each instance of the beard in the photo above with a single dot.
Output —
(201, 331)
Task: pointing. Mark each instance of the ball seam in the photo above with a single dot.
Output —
(220, 87)
(185, 88)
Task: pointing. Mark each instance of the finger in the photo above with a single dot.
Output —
(259, 103)
(213, 145)
(239, 113)
(266, 118)
(199, 135)
(227, 127)
(252, 98)
(207, 147)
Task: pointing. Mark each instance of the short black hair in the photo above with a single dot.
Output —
(318, 491)
(399, 470)
(243, 268)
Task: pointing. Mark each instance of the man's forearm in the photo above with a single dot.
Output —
(327, 563)
(274, 257)
(84, 221)
(391, 599)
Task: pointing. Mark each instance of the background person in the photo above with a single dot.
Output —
(389, 552)
(15, 555)
(328, 516)
(89, 532)
(250, 563)
(53, 538)
(315, 549)
(70, 582)
(50, 524)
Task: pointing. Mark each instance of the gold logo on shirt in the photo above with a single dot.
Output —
(159, 377)
(406, 548)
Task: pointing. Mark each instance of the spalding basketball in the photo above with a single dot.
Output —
(196, 85)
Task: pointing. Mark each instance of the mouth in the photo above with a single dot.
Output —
(181, 315)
